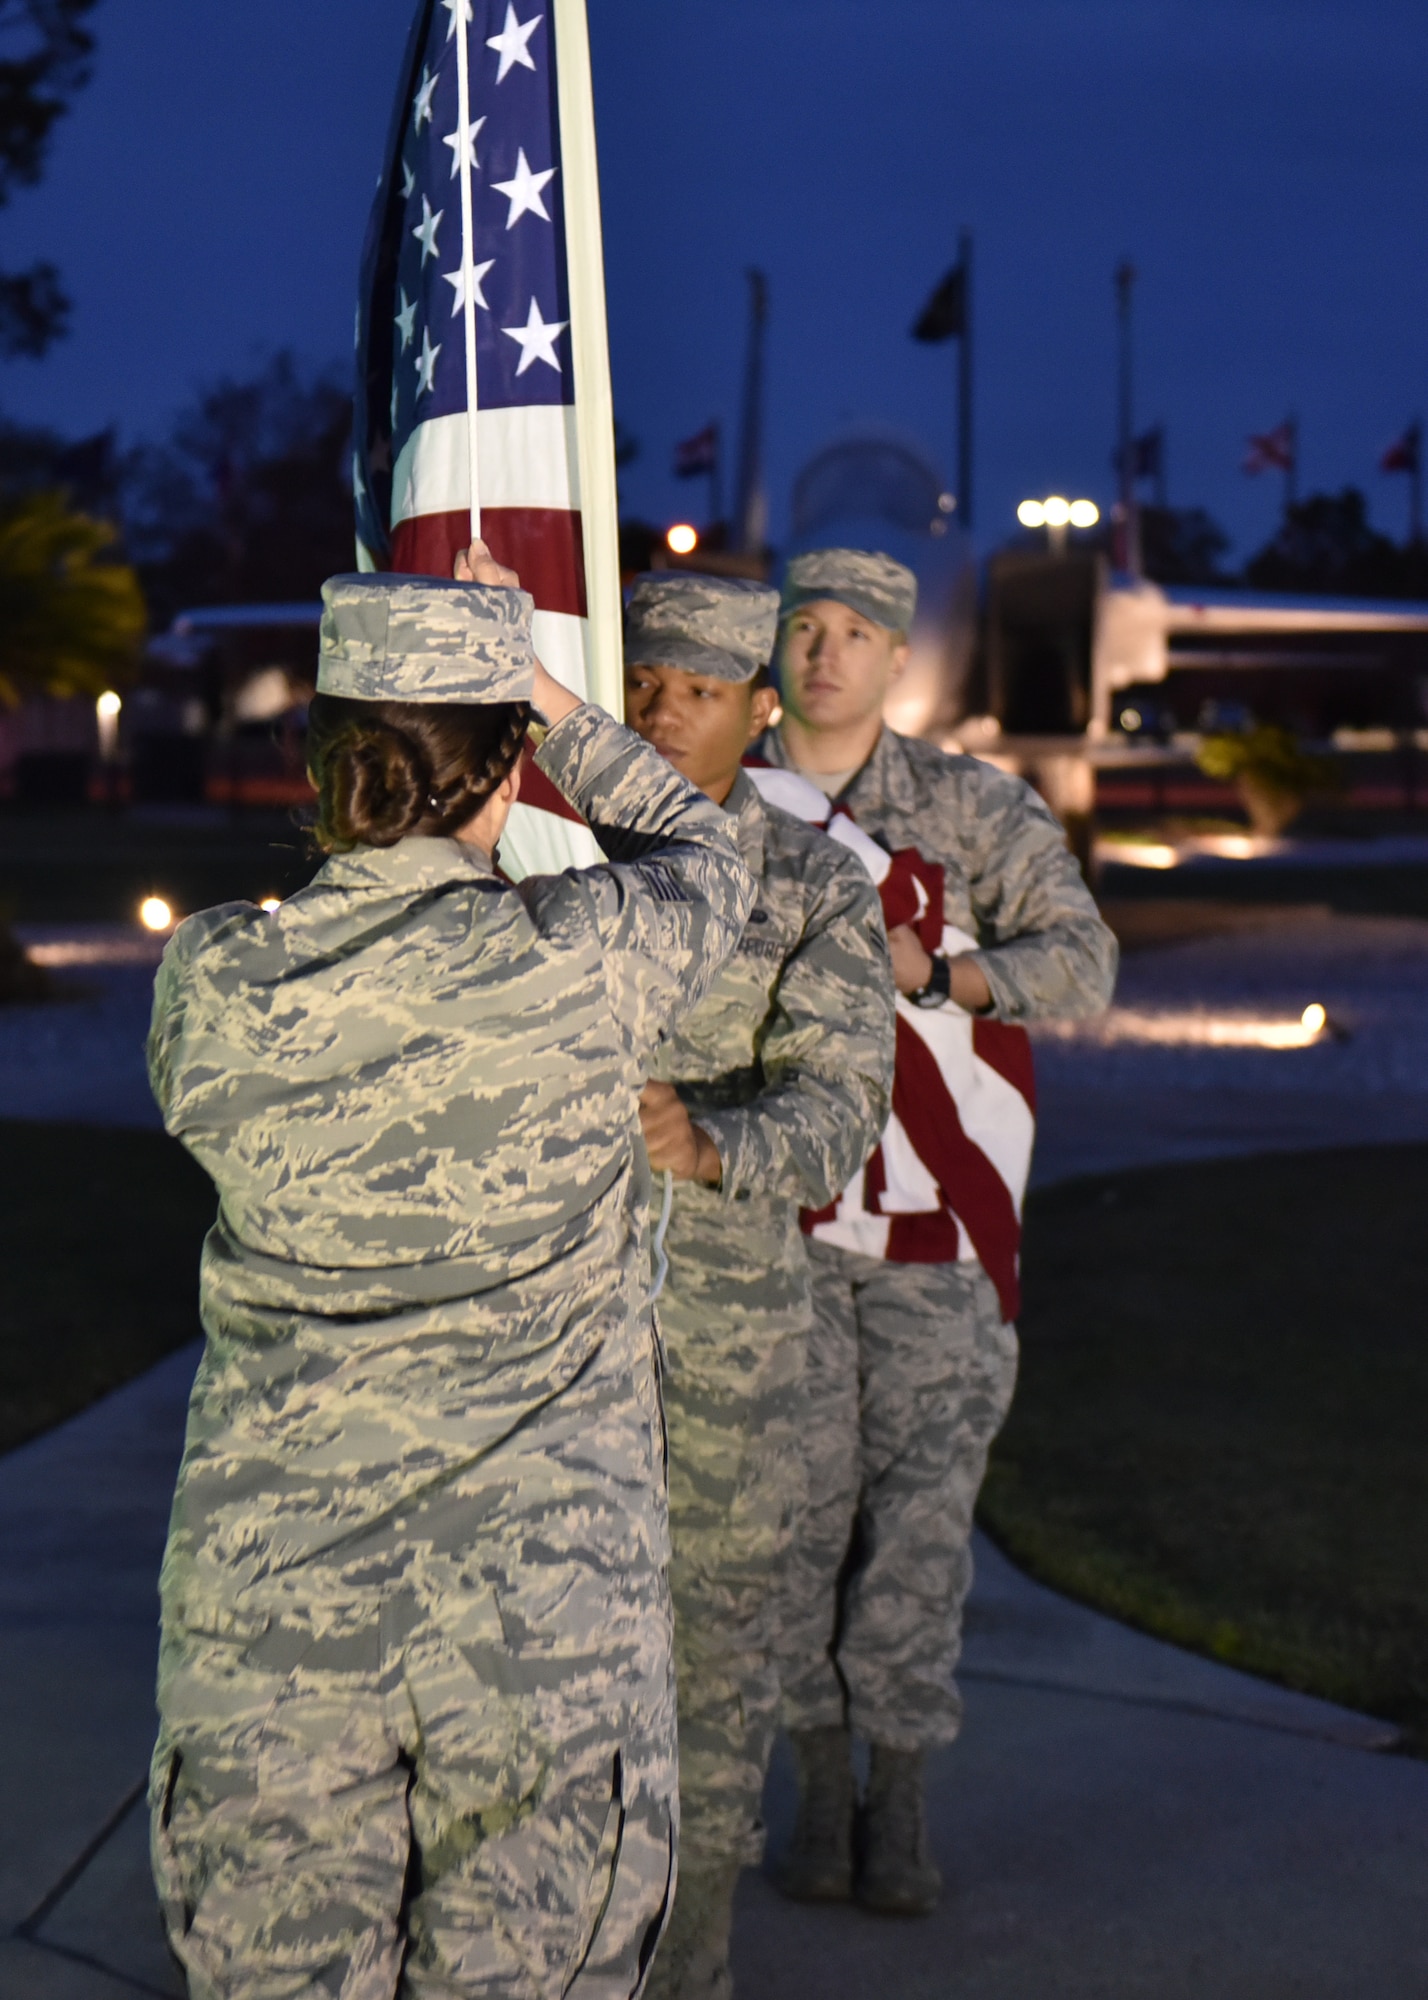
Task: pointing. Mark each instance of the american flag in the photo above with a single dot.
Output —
(1269, 450)
(947, 1180)
(483, 401)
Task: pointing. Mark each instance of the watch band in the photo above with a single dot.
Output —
(938, 989)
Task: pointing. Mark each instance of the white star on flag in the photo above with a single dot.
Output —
(451, 7)
(453, 139)
(408, 182)
(406, 322)
(537, 339)
(426, 362)
(425, 231)
(523, 190)
(512, 42)
(359, 484)
(458, 283)
(421, 110)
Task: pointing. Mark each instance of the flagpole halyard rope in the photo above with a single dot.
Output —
(468, 251)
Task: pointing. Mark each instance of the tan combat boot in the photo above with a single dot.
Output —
(818, 1866)
(692, 1962)
(896, 1874)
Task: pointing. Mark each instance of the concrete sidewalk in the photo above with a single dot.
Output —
(1120, 1819)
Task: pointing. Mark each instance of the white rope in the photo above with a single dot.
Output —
(661, 1229)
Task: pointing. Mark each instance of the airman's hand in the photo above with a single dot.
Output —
(478, 565)
(675, 1145)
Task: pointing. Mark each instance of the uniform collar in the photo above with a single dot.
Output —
(884, 780)
(412, 866)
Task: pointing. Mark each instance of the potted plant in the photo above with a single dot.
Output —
(1269, 768)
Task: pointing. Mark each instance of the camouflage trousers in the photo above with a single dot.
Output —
(911, 1372)
(735, 1320)
(445, 1766)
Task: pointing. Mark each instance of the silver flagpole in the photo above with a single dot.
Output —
(463, 12)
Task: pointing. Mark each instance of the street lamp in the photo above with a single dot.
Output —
(1056, 515)
(683, 540)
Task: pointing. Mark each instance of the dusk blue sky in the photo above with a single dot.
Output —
(1263, 162)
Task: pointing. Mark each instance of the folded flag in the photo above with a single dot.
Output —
(948, 1178)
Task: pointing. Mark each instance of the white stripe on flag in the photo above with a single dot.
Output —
(562, 646)
(528, 459)
(994, 1114)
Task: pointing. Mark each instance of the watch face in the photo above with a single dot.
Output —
(938, 987)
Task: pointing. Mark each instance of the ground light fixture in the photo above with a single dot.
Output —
(155, 914)
(269, 905)
(683, 540)
(106, 714)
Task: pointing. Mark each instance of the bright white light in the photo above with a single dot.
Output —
(1314, 1019)
(1055, 511)
(155, 914)
(683, 539)
(1031, 514)
(1140, 854)
(1131, 718)
(1214, 1031)
(271, 903)
(1084, 513)
(108, 706)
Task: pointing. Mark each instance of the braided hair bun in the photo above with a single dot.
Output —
(386, 769)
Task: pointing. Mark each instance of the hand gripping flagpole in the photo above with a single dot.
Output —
(463, 12)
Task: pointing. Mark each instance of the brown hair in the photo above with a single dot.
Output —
(384, 769)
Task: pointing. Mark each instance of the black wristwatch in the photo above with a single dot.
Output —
(938, 989)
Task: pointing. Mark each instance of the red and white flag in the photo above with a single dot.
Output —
(483, 377)
(947, 1181)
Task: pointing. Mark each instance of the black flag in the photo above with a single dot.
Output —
(944, 317)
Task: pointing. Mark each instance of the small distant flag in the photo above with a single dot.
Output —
(944, 317)
(1269, 451)
(1405, 453)
(698, 456)
(1148, 454)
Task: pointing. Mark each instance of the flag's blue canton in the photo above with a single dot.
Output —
(518, 217)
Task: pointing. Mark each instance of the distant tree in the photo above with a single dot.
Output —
(249, 501)
(88, 471)
(45, 61)
(1327, 544)
(1182, 545)
(71, 618)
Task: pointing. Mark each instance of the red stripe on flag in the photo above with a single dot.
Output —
(971, 1186)
(538, 791)
(545, 546)
(1007, 1050)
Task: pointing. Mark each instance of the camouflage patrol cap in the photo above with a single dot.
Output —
(871, 584)
(723, 626)
(424, 638)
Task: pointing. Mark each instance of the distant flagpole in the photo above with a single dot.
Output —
(468, 250)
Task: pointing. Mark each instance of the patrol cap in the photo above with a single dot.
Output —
(724, 626)
(869, 583)
(424, 638)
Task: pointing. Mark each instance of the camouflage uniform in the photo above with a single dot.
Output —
(787, 1065)
(417, 1724)
(911, 1369)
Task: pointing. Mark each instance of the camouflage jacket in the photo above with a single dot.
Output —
(787, 1064)
(416, 1090)
(1009, 879)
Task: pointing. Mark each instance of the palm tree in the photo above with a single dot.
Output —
(70, 621)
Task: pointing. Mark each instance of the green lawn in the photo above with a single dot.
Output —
(99, 1240)
(1221, 1432)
